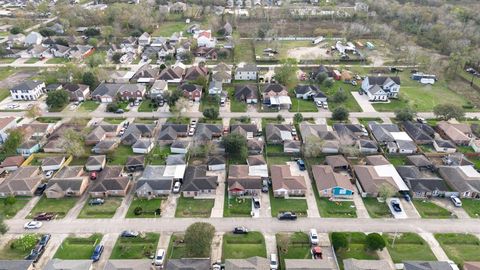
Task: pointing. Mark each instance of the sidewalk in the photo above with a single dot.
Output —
(27, 208)
(360, 206)
(217, 247)
(435, 246)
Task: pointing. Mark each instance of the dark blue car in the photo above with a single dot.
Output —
(301, 165)
(97, 252)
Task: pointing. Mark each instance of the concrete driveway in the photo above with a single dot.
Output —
(217, 210)
(108, 242)
(50, 250)
(447, 204)
(265, 208)
(312, 210)
(409, 209)
(363, 101)
(397, 215)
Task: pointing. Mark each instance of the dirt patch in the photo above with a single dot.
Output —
(309, 53)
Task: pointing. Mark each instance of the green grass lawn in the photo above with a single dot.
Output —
(158, 155)
(32, 60)
(176, 247)
(460, 247)
(237, 207)
(397, 160)
(113, 121)
(78, 248)
(376, 209)
(181, 120)
(48, 119)
(244, 51)
(235, 105)
(472, 207)
(408, 247)
(120, 155)
(428, 209)
(58, 60)
(278, 160)
(299, 206)
(13, 250)
(190, 207)
(89, 106)
(356, 249)
(209, 101)
(10, 210)
(274, 148)
(298, 247)
(166, 29)
(302, 105)
(340, 209)
(59, 206)
(242, 246)
(148, 206)
(365, 121)
(106, 210)
(141, 247)
(147, 105)
(350, 104)
(145, 120)
(7, 60)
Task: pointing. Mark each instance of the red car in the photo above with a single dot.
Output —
(45, 216)
(93, 175)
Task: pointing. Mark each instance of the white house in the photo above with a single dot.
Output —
(33, 38)
(179, 147)
(158, 88)
(143, 146)
(246, 72)
(381, 88)
(215, 88)
(6, 123)
(205, 39)
(28, 90)
(144, 39)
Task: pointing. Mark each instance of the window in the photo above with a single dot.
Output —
(342, 191)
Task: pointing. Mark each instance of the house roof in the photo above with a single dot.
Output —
(275, 87)
(418, 131)
(247, 67)
(418, 182)
(383, 80)
(155, 172)
(222, 67)
(170, 131)
(252, 263)
(305, 89)
(382, 132)
(256, 160)
(276, 132)
(64, 184)
(309, 264)
(243, 129)
(187, 87)
(180, 144)
(136, 160)
(5, 121)
(336, 161)
(27, 85)
(419, 161)
(171, 73)
(96, 160)
(453, 132)
(112, 89)
(376, 160)
(188, 264)
(192, 73)
(196, 179)
(52, 161)
(427, 265)
(216, 160)
(282, 178)
(444, 143)
(354, 264)
(176, 159)
(246, 91)
(207, 131)
(326, 178)
(143, 143)
(69, 172)
(368, 144)
(461, 178)
(112, 184)
(372, 178)
(72, 87)
(12, 161)
(255, 144)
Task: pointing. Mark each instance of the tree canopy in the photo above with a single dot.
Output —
(375, 241)
(404, 114)
(57, 99)
(211, 112)
(340, 114)
(448, 111)
(286, 74)
(339, 241)
(198, 239)
(235, 146)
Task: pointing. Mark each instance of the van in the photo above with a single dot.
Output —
(456, 201)
(313, 236)
(159, 257)
(273, 262)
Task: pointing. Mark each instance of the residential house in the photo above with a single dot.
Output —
(207, 132)
(278, 133)
(423, 184)
(176, 159)
(143, 146)
(52, 163)
(246, 72)
(11, 163)
(306, 91)
(28, 147)
(207, 53)
(81, 51)
(196, 182)
(354, 264)
(312, 132)
(16, 39)
(252, 263)
(420, 133)
(59, 51)
(381, 88)
(332, 184)
(222, 73)
(390, 135)
(241, 182)
(276, 95)
(284, 184)
(95, 163)
(460, 134)
(257, 166)
(27, 90)
(112, 182)
(132, 91)
(106, 92)
(444, 146)
(325, 263)
(70, 181)
(135, 163)
(191, 91)
(255, 146)
(429, 265)
(154, 182)
(370, 178)
(249, 131)
(188, 264)
(17, 265)
(247, 93)
(134, 132)
(216, 163)
(21, 182)
(145, 74)
(6, 124)
(101, 132)
(215, 88)
(39, 51)
(367, 146)
(158, 89)
(105, 146)
(172, 74)
(171, 132)
(77, 92)
(337, 162)
(194, 72)
(420, 161)
(292, 146)
(33, 38)
(179, 147)
(205, 39)
(463, 179)
(144, 39)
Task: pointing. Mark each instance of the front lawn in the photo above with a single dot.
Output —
(88, 106)
(237, 207)
(32, 60)
(356, 249)
(48, 119)
(14, 250)
(472, 207)
(190, 207)
(303, 105)
(10, 207)
(119, 155)
(180, 120)
(336, 209)
(242, 246)
(350, 103)
(176, 247)
(166, 29)
(58, 60)
(113, 121)
(106, 210)
(148, 208)
(235, 105)
(298, 247)
(58, 206)
(78, 248)
(460, 247)
(408, 247)
(298, 206)
(377, 209)
(147, 105)
(141, 247)
(364, 121)
(428, 209)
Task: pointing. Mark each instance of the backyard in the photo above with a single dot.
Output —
(242, 246)
(298, 206)
(140, 247)
(408, 247)
(303, 105)
(298, 247)
(106, 210)
(148, 208)
(120, 155)
(190, 207)
(58, 206)
(356, 249)
(336, 209)
(166, 29)
(428, 209)
(377, 209)
(460, 247)
(10, 206)
(237, 207)
(78, 248)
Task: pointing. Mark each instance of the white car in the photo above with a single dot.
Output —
(159, 257)
(273, 262)
(456, 201)
(318, 103)
(313, 236)
(176, 187)
(49, 174)
(191, 131)
(32, 225)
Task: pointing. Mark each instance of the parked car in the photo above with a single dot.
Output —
(49, 174)
(395, 205)
(129, 233)
(256, 202)
(313, 237)
(218, 266)
(93, 175)
(45, 239)
(40, 189)
(35, 254)
(318, 103)
(273, 261)
(301, 164)
(265, 188)
(32, 225)
(176, 187)
(125, 124)
(456, 201)
(421, 120)
(96, 201)
(191, 131)
(294, 132)
(316, 253)
(119, 111)
(407, 198)
(159, 257)
(287, 216)
(45, 216)
(97, 253)
(240, 230)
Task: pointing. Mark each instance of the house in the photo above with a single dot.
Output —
(111, 182)
(70, 181)
(309, 264)
(284, 184)
(429, 265)
(382, 132)
(135, 163)
(58, 264)
(132, 91)
(145, 74)
(154, 182)
(171, 132)
(105, 146)
(420, 133)
(207, 132)
(17, 265)
(381, 88)
(420, 161)
(215, 88)
(143, 146)
(194, 72)
(337, 162)
(444, 146)
(252, 263)
(241, 182)
(179, 147)
(460, 134)
(101, 132)
(6, 123)
(135, 132)
(11, 163)
(158, 89)
(21, 182)
(354, 264)
(247, 93)
(81, 51)
(205, 39)
(52, 163)
(246, 72)
(33, 38)
(222, 72)
(207, 53)
(463, 179)
(249, 131)
(292, 146)
(255, 146)
(370, 178)
(306, 91)
(128, 264)
(144, 39)
(196, 182)
(176, 159)
(172, 74)
(332, 184)
(16, 39)
(95, 163)
(188, 264)
(216, 163)
(423, 184)
(28, 147)
(106, 92)
(278, 133)
(39, 131)
(191, 91)
(367, 146)
(313, 132)
(27, 90)
(77, 92)
(276, 95)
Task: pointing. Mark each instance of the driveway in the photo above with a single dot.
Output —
(50, 250)
(265, 208)
(170, 205)
(409, 209)
(312, 210)
(73, 213)
(447, 204)
(270, 243)
(435, 246)
(397, 215)
(28, 208)
(123, 208)
(217, 247)
(108, 242)
(362, 100)
(360, 206)
(217, 210)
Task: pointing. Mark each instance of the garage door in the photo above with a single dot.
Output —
(106, 99)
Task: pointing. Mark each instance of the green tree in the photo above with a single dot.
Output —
(93, 42)
(280, 118)
(198, 239)
(328, 83)
(385, 191)
(112, 107)
(404, 114)
(321, 77)
(25, 242)
(15, 30)
(3, 226)
(90, 32)
(171, 97)
(374, 241)
(15, 138)
(90, 79)
(10, 200)
(57, 99)
(211, 112)
(235, 146)
(34, 111)
(340, 96)
(286, 73)
(181, 105)
(116, 57)
(340, 114)
(448, 111)
(95, 60)
(339, 241)
(298, 117)
(72, 143)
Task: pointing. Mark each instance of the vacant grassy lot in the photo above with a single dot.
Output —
(78, 248)
(58, 206)
(302, 105)
(106, 210)
(235, 105)
(141, 247)
(350, 104)
(209, 101)
(340, 209)
(281, 46)
(299, 206)
(148, 207)
(242, 246)
(176, 247)
(376, 209)
(166, 29)
(120, 155)
(356, 249)
(408, 247)
(88, 106)
(428, 209)
(147, 105)
(237, 207)
(460, 247)
(9, 210)
(298, 247)
(472, 207)
(244, 51)
(189, 207)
